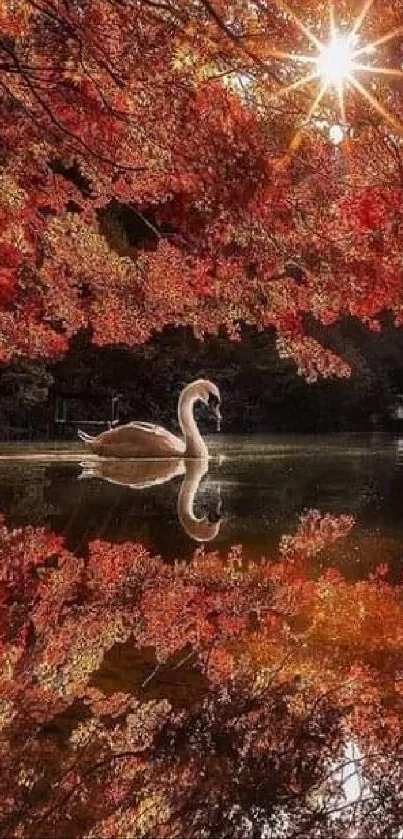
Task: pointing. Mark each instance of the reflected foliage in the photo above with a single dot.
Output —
(209, 698)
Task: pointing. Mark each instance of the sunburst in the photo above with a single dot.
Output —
(341, 63)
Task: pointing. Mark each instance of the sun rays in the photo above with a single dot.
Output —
(341, 63)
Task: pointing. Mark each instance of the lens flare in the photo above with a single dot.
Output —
(336, 65)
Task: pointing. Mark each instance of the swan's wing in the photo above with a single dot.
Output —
(157, 431)
(139, 439)
(147, 426)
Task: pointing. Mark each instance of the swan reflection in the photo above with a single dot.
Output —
(143, 474)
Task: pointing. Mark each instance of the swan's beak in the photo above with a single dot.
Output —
(213, 403)
(217, 413)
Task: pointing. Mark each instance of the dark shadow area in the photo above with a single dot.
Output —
(261, 392)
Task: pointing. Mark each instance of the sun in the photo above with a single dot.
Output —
(337, 64)
(336, 60)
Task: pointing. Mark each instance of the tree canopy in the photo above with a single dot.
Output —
(162, 163)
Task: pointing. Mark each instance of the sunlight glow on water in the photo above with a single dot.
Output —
(350, 775)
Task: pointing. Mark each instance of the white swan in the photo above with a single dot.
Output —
(145, 440)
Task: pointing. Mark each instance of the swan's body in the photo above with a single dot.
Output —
(136, 439)
(142, 474)
(145, 440)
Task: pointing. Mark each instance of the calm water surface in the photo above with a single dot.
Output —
(254, 693)
(259, 487)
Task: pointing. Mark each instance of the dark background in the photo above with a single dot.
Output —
(261, 393)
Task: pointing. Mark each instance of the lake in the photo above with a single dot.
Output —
(194, 650)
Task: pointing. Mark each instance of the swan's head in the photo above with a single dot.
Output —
(208, 393)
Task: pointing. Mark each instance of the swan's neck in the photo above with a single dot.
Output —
(195, 445)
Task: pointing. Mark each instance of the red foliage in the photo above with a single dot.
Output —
(269, 673)
(165, 112)
(7, 286)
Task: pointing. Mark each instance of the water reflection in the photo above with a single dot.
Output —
(219, 697)
(265, 485)
(144, 474)
(135, 474)
(224, 696)
(204, 529)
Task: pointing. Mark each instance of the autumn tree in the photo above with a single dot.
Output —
(162, 164)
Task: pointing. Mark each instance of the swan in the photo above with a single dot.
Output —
(145, 440)
(143, 474)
